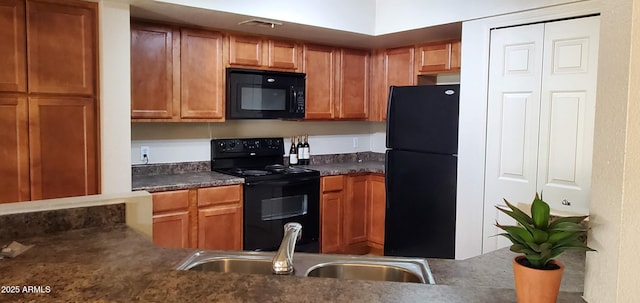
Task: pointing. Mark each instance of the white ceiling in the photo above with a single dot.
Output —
(185, 15)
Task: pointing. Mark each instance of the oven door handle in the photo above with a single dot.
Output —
(286, 182)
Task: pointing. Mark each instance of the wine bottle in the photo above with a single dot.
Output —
(299, 147)
(293, 152)
(306, 150)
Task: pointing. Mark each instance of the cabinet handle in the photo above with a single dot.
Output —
(566, 202)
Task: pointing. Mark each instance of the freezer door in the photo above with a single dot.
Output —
(420, 217)
(423, 118)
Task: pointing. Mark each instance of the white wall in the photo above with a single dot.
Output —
(186, 142)
(352, 16)
(401, 15)
(115, 100)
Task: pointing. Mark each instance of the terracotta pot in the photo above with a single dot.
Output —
(537, 285)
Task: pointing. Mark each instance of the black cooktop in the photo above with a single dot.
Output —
(255, 159)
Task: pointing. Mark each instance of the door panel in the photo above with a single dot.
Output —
(220, 227)
(13, 74)
(354, 90)
(202, 74)
(512, 123)
(319, 64)
(171, 230)
(62, 44)
(63, 147)
(14, 150)
(567, 113)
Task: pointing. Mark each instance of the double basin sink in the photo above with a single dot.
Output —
(374, 268)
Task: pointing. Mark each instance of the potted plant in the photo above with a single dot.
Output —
(540, 239)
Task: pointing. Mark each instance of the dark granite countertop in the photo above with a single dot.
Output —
(346, 168)
(164, 182)
(119, 265)
(186, 180)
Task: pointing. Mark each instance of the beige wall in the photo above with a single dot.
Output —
(115, 100)
(612, 272)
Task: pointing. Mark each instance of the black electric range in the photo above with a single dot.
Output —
(274, 194)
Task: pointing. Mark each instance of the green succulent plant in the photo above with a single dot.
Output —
(539, 239)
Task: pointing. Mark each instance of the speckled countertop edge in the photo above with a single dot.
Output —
(118, 264)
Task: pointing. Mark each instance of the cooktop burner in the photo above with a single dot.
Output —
(255, 159)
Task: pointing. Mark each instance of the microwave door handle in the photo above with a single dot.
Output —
(294, 96)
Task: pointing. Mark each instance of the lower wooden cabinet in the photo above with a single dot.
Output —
(376, 207)
(207, 218)
(352, 210)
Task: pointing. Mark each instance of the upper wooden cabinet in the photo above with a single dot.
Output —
(176, 74)
(13, 56)
(202, 91)
(337, 83)
(62, 47)
(438, 57)
(319, 64)
(258, 52)
(155, 55)
(406, 66)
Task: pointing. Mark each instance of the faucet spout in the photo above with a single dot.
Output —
(283, 260)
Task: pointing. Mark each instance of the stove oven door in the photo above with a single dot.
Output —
(269, 205)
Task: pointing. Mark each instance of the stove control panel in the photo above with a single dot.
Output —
(247, 147)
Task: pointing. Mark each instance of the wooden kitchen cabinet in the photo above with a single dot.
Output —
(220, 217)
(14, 172)
(438, 57)
(331, 214)
(176, 74)
(259, 52)
(337, 83)
(155, 56)
(202, 90)
(171, 219)
(392, 67)
(63, 147)
(319, 63)
(13, 74)
(354, 84)
(355, 209)
(62, 46)
(376, 208)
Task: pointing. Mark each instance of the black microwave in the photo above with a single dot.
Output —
(260, 94)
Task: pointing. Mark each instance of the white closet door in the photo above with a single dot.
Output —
(515, 76)
(567, 110)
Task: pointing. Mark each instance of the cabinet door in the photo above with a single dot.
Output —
(319, 65)
(14, 171)
(283, 54)
(201, 75)
(455, 55)
(434, 57)
(62, 140)
(376, 209)
(398, 70)
(220, 227)
(12, 49)
(62, 40)
(331, 208)
(154, 60)
(171, 230)
(355, 225)
(354, 84)
(170, 201)
(245, 50)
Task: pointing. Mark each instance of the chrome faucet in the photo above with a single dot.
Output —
(283, 260)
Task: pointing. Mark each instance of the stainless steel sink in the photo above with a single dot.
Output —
(365, 271)
(395, 269)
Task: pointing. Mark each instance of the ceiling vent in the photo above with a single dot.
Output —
(261, 23)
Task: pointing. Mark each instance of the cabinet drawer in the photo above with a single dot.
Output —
(332, 183)
(219, 195)
(170, 201)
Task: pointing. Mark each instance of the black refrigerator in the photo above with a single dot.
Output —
(420, 171)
